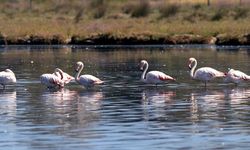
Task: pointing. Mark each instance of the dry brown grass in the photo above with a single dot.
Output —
(77, 18)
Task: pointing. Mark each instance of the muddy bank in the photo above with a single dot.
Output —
(135, 39)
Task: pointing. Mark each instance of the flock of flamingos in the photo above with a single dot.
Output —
(60, 78)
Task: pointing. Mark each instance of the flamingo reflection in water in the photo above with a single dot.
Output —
(155, 103)
(238, 95)
(8, 104)
(206, 103)
(239, 102)
(91, 100)
(157, 97)
(72, 110)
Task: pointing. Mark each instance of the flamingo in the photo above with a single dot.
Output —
(153, 77)
(53, 80)
(66, 78)
(204, 74)
(7, 77)
(236, 76)
(86, 80)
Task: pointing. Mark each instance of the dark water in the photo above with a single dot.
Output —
(124, 113)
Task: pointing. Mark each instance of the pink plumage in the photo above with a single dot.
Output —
(236, 76)
(153, 77)
(86, 80)
(65, 77)
(56, 79)
(204, 74)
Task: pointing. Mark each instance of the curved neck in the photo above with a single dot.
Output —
(60, 72)
(144, 72)
(193, 68)
(78, 73)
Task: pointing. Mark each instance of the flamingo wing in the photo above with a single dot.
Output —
(66, 78)
(239, 75)
(207, 73)
(51, 80)
(89, 80)
(157, 77)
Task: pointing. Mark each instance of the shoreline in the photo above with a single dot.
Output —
(136, 39)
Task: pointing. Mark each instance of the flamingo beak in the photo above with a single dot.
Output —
(76, 68)
(141, 67)
(190, 66)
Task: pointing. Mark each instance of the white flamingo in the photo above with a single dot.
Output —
(53, 80)
(7, 77)
(204, 74)
(153, 77)
(236, 76)
(66, 78)
(86, 80)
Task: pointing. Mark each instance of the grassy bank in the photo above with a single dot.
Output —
(123, 22)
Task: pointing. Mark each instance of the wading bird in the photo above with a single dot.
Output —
(53, 80)
(204, 74)
(7, 77)
(86, 80)
(153, 77)
(66, 78)
(236, 76)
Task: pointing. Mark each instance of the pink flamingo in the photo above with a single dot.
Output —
(153, 77)
(86, 80)
(236, 76)
(53, 80)
(204, 74)
(66, 78)
(7, 77)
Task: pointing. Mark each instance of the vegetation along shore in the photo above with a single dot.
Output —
(220, 22)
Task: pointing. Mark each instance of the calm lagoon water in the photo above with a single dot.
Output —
(123, 113)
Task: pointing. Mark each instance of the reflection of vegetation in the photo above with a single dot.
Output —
(118, 18)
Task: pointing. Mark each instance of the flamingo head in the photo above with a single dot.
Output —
(190, 62)
(78, 66)
(142, 64)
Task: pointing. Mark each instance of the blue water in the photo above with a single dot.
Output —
(124, 113)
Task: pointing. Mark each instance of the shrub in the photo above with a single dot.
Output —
(99, 8)
(142, 9)
(78, 15)
(240, 12)
(100, 11)
(128, 8)
(169, 10)
(219, 14)
(197, 6)
(96, 3)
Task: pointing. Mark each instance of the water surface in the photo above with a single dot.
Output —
(124, 113)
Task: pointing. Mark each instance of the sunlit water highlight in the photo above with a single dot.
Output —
(124, 113)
